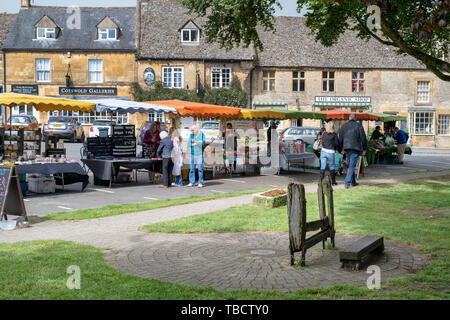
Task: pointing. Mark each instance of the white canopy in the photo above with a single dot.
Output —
(124, 106)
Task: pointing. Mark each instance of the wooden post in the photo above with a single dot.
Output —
(329, 194)
(296, 207)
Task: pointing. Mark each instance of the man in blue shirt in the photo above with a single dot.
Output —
(196, 143)
(402, 138)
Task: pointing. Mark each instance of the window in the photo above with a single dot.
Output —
(155, 116)
(444, 124)
(95, 71)
(190, 35)
(298, 81)
(173, 77)
(268, 80)
(220, 77)
(328, 81)
(422, 123)
(107, 34)
(43, 70)
(25, 109)
(423, 91)
(46, 33)
(357, 81)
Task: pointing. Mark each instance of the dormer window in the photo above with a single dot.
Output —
(107, 34)
(46, 28)
(46, 33)
(190, 36)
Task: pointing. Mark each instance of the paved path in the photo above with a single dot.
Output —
(223, 261)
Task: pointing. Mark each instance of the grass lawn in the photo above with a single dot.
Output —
(416, 213)
(113, 210)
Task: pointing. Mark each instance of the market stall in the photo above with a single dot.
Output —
(37, 166)
(105, 156)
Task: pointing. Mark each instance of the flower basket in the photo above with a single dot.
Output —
(271, 199)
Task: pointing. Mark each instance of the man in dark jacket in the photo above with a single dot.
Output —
(351, 138)
(402, 138)
(165, 152)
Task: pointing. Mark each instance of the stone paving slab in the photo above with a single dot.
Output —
(254, 260)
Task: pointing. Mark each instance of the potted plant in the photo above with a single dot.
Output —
(272, 199)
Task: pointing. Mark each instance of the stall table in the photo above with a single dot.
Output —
(296, 158)
(68, 173)
(104, 169)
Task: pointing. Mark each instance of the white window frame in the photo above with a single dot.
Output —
(440, 123)
(97, 71)
(221, 77)
(156, 116)
(88, 118)
(413, 122)
(359, 80)
(269, 80)
(105, 31)
(172, 77)
(418, 91)
(47, 31)
(190, 36)
(43, 71)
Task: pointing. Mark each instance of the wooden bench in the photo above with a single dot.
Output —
(354, 254)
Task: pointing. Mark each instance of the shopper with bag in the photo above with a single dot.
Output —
(330, 144)
(318, 142)
(165, 152)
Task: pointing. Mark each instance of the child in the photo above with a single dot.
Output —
(339, 163)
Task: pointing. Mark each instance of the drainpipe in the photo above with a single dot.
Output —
(251, 86)
(4, 81)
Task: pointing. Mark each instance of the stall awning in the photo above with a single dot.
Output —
(123, 106)
(199, 110)
(43, 103)
(384, 117)
(343, 115)
(292, 114)
(249, 114)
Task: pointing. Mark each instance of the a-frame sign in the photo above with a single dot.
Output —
(11, 198)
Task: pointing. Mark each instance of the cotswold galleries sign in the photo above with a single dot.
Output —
(74, 91)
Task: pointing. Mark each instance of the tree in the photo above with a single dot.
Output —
(420, 28)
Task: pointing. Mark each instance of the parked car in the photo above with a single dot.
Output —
(21, 120)
(144, 127)
(211, 129)
(306, 134)
(64, 127)
(98, 125)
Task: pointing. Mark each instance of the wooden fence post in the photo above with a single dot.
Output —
(296, 207)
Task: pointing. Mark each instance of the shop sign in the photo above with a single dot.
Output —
(25, 89)
(96, 91)
(149, 76)
(334, 99)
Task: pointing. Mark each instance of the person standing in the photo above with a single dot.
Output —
(165, 152)
(272, 130)
(151, 140)
(318, 142)
(351, 138)
(196, 144)
(330, 144)
(402, 138)
(177, 156)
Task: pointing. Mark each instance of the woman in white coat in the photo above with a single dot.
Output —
(177, 156)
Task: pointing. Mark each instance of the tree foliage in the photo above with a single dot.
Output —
(234, 96)
(420, 28)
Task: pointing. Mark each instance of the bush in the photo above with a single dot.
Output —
(234, 96)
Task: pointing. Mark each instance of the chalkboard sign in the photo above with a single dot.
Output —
(11, 198)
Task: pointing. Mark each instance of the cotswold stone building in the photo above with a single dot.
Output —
(158, 41)
(6, 21)
(85, 54)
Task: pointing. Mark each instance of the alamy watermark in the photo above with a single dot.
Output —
(74, 280)
(374, 281)
(374, 20)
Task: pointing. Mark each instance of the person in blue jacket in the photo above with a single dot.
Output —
(196, 143)
(402, 138)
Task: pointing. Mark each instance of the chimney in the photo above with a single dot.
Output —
(25, 4)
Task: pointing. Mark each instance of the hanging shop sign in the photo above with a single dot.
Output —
(149, 76)
(337, 99)
(96, 91)
(25, 89)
